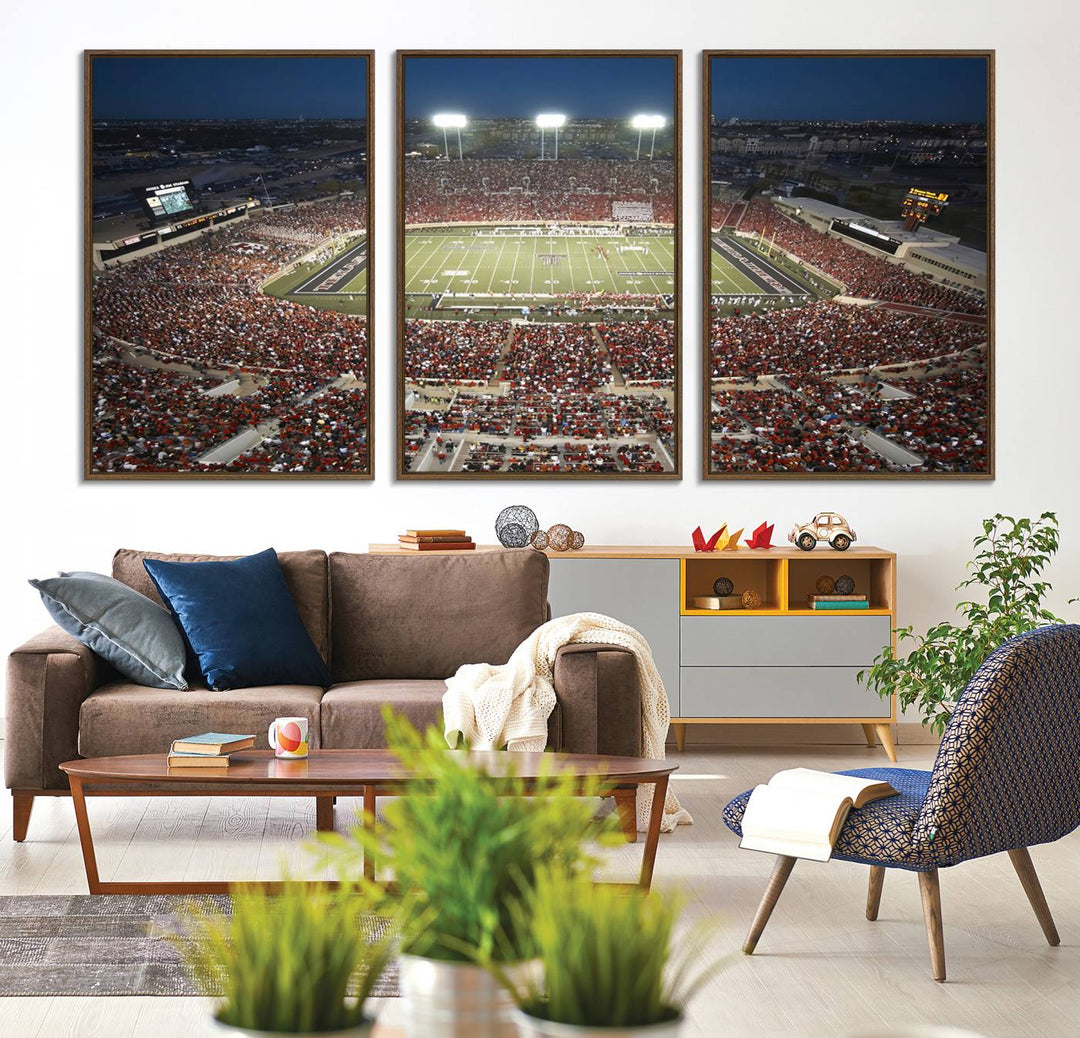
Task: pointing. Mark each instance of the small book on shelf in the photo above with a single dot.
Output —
(212, 744)
(453, 534)
(824, 604)
(718, 602)
(197, 760)
(801, 811)
(435, 538)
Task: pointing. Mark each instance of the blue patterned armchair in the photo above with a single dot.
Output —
(1006, 777)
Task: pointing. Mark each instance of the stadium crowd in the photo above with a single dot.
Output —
(197, 306)
(825, 336)
(505, 190)
(864, 275)
(453, 351)
(643, 351)
(817, 424)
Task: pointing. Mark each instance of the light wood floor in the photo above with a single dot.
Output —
(820, 969)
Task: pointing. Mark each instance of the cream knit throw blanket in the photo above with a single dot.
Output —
(510, 705)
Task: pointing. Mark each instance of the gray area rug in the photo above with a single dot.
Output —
(109, 944)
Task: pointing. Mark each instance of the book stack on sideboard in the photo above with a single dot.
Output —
(435, 540)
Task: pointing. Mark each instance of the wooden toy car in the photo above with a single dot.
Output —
(825, 526)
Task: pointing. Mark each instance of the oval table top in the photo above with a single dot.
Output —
(374, 767)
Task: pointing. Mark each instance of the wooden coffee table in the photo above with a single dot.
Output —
(327, 774)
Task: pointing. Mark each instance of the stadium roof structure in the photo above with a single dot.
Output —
(826, 211)
(956, 254)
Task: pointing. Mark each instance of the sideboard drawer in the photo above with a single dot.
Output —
(778, 692)
(782, 641)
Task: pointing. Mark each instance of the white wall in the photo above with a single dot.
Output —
(55, 521)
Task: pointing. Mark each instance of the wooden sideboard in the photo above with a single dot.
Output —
(781, 663)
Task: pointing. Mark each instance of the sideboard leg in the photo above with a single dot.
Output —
(680, 736)
(871, 739)
(884, 732)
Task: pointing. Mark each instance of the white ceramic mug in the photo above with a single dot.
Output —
(288, 737)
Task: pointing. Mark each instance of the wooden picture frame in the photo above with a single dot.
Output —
(265, 380)
(507, 439)
(772, 265)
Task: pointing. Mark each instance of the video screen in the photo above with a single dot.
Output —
(867, 235)
(169, 199)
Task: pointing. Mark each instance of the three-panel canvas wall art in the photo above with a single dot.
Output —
(846, 268)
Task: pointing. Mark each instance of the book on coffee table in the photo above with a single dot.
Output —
(212, 744)
(801, 811)
(198, 760)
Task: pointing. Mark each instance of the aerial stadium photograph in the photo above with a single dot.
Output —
(848, 264)
(227, 259)
(538, 264)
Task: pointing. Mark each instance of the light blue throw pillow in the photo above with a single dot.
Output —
(136, 635)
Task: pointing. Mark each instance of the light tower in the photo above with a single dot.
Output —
(448, 120)
(550, 120)
(647, 122)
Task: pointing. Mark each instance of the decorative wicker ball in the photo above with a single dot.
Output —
(539, 540)
(723, 586)
(751, 599)
(577, 542)
(845, 585)
(825, 585)
(560, 537)
(515, 526)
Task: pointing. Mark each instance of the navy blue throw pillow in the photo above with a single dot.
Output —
(241, 621)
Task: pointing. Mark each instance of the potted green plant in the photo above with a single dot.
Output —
(465, 848)
(1010, 557)
(298, 962)
(607, 966)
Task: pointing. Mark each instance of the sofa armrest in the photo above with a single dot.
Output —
(599, 699)
(47, 680)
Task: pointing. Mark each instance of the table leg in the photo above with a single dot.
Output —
(324, 814)
(86, 838)
(652, 837)
(626, 806)
(369, 823)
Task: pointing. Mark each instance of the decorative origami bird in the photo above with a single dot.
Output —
(700, 544)
(761, 537)
(733, 541)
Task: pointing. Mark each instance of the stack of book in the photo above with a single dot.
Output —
(436, 540)
(838, 601)
(209, 750)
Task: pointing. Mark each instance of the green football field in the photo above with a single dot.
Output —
(486, 268)
(339, 283)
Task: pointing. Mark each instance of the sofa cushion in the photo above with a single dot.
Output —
(397, 616)
(122, 718)
(136, 635)
(304, 571)
(240, 619)
(352, 712)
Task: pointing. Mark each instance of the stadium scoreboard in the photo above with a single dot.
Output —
(921, 204)
(163, 201)
(866, 234)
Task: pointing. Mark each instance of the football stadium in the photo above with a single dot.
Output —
(842, 344)
(539, 293)
(229, 303)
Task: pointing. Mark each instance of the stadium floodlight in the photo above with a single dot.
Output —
(647, 122)
(450, 121)
(550, 121)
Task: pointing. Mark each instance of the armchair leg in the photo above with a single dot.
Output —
(1021, 860)
(931, 904)
(21, 804)
(781, 871)
(873, 892)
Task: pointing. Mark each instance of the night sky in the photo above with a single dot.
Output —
(581, 87)
(230, 88)
(917, 89)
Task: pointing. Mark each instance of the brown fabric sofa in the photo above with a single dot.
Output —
(391, 629)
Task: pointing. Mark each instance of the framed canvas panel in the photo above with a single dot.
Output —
(848, 264)
(228, 236)
(538, 264)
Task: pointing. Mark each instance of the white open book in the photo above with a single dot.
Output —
(801, 812)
